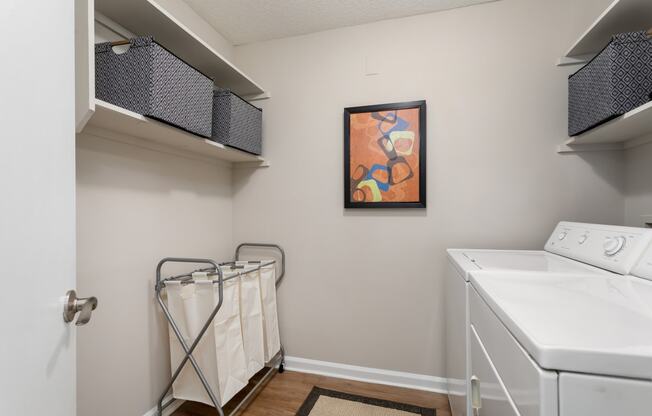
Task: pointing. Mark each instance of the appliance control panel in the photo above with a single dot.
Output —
(606, 246)
(644, 267)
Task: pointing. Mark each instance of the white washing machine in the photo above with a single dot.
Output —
(559, 257)
(566, 344)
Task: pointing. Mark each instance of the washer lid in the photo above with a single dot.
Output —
(598, 324)
(536, 261)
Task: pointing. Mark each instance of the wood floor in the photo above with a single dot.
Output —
(285, 393)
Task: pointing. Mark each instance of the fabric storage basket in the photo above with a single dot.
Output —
(237, 123)
(149, 80)
(616, 81)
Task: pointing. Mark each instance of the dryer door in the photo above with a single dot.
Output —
(488, 395)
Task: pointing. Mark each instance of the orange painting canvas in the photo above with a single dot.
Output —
(385, 152)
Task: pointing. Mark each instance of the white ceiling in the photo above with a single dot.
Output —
(246, 21)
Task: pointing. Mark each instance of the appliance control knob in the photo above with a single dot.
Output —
(583, 239)
(562, 235)
(613, 245)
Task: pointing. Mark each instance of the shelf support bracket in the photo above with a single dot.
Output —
(257, 97)
(575, 60)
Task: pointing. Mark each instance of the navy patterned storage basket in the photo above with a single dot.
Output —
(150, 80)
(236, 122)
(616, 81)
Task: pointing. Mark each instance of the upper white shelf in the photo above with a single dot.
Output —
(634, 127)
(146, 18)
(621, 16)
(109, 117)
(624, 131)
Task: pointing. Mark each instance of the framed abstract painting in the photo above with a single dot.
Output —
(385, 156)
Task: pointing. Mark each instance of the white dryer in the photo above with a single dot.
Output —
(566, 344)
(559, 257)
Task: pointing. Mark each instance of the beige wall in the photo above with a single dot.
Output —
(638, 201)
(134, 207)
(364, 287)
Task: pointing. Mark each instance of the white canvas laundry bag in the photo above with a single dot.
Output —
(229, 345)
(251, 315)
(184, 307)
(270, 313)
(220, 354)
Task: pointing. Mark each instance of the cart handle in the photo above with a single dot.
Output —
(185, 260)
(265, 245)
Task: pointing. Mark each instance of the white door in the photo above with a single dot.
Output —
(37, 207)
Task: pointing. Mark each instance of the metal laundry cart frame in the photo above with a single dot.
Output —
(214, 270)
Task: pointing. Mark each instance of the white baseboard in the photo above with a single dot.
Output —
(169, 410)
(366, 374)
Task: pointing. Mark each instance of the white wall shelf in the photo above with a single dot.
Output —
(628, 130)
(145, 17)
(114, 119)
(635, 127)
(621, 16)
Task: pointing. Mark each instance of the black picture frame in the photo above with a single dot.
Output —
(421, 105)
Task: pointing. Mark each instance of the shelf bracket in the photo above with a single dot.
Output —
(574, 60)
(257, 97)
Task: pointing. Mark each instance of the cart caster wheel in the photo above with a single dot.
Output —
(281, 369)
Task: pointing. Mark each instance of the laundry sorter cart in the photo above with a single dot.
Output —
(226, 282)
